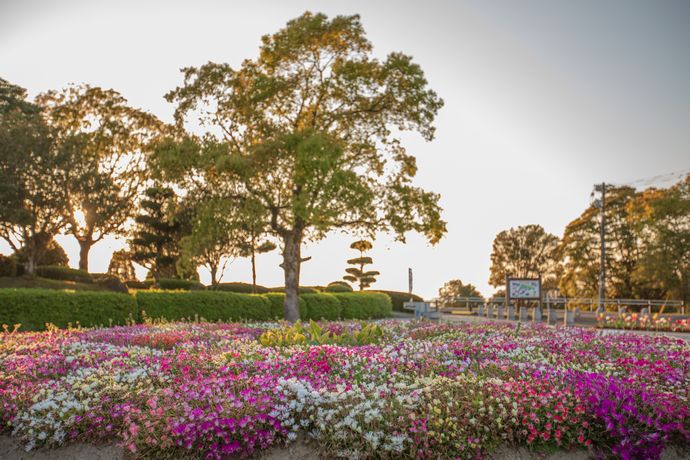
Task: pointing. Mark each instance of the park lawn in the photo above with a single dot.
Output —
(393, 389)
(7, 282)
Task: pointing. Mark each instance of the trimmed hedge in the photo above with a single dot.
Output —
(399, 298)
(362, 305)
(321, 306)
(136, 284)
(110, 282)
(176, 284)
(338, 286)
(33, 308)
(244, 288)
(57, 272)
(277, 301)
(301, 290)
(209, 305)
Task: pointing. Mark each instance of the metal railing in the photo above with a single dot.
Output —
(590, 303)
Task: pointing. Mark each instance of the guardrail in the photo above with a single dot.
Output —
(590, 303)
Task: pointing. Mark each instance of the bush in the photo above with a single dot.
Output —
(8, 266)
(175, 284)
(110, 282)
(57, 272)
(33, 308)
(321, 306)
(209, 305)
(244, 288)
(338, 286)
(363, 305)
(136, 284)
(301, 290)
(399, 298)
(277, 302)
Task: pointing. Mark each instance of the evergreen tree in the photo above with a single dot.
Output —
(121, 265)
(356, 274)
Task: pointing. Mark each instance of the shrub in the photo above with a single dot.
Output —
(321, 306)
(57, 272)
(209, 305)
(110, 282)
(277, 301)
(301, 290)
(399, 298)
(136, 284)
(244, 288)
(174, 284)
(33, 308)
(363, 305)
(338, 286)
(8, 266)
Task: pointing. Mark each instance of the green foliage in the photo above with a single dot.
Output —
(399, 298)
(527, 251)
(277, 305)
(96, 131)
(321, 306)
(356, 274)
(338, 286)
(172, 284)
(364, 305)
(300, 290)
(136, 284)
(313, 334)
(245, 288)
(110, 282)
(453, 289)
(307, 127)
(8, 265)
(33, 308)
(159, 228)
(64, 273)
(209, 305)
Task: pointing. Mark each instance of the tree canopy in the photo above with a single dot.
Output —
(309, 132)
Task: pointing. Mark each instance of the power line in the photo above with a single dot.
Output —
(674, 176)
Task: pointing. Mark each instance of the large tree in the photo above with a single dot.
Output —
(524, 252)
(662, 220)
(105, 142)
(453, 290)
(31, 200)
(309, 131)
(581, 249)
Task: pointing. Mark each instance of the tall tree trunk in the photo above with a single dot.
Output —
(291, 265)
(214, 276)
(84, 248)
(253, 271)
(30, 266)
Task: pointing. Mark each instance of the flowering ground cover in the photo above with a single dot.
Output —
(636, 321)
(397, 389)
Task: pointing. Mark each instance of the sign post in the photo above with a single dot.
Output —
(523, 289)
(409, 281)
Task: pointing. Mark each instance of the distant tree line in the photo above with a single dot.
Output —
(647, 248)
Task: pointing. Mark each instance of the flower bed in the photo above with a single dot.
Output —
(396, 390)
(636, 321)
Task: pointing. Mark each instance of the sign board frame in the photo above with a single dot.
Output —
(509, 294)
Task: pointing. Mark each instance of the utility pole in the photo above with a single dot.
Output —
(602, 239)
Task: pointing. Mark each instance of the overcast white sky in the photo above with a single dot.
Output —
(543, 99)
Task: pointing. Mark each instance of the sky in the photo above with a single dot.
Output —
(543, 99)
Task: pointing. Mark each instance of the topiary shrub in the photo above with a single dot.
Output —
(33, 308)
(338, 286)
(56, 272)
(176, 284)
(244, 288)
(110, 282)
(277, 305)
(8, 266)
(136, 284)
(399, 298)
(364, 305)
(321, 306)
(209, 305)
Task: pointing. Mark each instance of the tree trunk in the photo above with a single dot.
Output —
(214, 276)
(253, 271)
(291, 265)
(30, 266)
(84, 248)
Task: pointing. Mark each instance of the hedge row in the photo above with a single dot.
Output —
(399, 298)
(33, 308)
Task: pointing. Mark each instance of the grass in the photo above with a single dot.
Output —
(45, 283)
